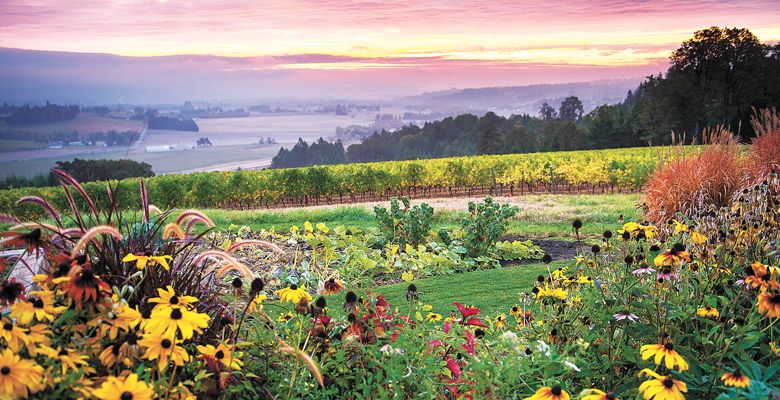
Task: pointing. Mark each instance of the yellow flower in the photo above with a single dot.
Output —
(661, 387)
(698, 238)
(257, 303)
(293, 229)
(223, 354)
(558, 273)
(407, 277)
(143, 260)
(549, 393)
(41, 308)
(164, 349)
(664, 352)
(769, 304)
(679, 227)
(293, 294)
(120, 318)
(176, 318)
(595, 394)
(168, 298)
(285, 317)
(708, 312)
(115, 388)
(735, 379)
(775, 349)
(551, 293)
(500, 321)
(322, 228)
(70, 360)
(15, 337)
(18, 377)
(307, 228)
(433, 317)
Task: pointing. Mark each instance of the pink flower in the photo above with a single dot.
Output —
(434, 344)
(471, 343)
(466, 311)
(447, 326)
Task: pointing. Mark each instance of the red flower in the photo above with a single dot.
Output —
(31, 240)
(454, 368)
(85, 285)
(476, 322)
(466, 312)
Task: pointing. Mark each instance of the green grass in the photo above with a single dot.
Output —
(539, 216)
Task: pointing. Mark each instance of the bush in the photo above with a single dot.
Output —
(690, 184)
(486, 222)
(764, 157)
(402, 226)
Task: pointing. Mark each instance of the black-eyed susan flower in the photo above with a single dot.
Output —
(708, 312)
(164, 349)
(127, 388)
(257, 303)
(167, 298)
(550, 393)
(735, 379)
(120, 317)
(769, 304)
(433, 317)
(70, 359)
(285, 317)
(672, 257)
(666, 353)
(293, 294)
(15, 336)
(84, 285)
(698, 238)
(595, 394)
(500, 321)
(10, 292)
(19, 377)
(332, 286)
(147, 259)
(661, 387)
(177, 319)
(551, 293)
(223, 354)
(516, 311)
(41, 308)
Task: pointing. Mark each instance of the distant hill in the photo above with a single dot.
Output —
(525, 99)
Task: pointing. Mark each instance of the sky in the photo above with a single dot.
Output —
(351, 46)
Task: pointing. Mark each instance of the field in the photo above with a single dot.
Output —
(234, 142)
(7, 146)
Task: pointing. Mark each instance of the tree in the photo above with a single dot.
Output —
(571, 109)
(488, 135)
(547, 112)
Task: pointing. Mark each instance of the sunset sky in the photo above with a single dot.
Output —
(447, 43)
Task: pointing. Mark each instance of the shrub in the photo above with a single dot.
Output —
(764, 156)
(688, 184)
(402, 226)
(486, 222)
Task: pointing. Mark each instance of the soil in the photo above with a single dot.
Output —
(557, 249)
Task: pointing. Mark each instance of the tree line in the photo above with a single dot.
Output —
(25, 115)
(715, 78)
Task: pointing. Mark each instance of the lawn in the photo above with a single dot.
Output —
(548, 216)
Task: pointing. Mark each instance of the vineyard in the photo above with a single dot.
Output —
(515, 174)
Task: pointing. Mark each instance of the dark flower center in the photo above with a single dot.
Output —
(669, 346)
(115, 348)
(166, 343)
(63, 352)
(775, 299)
(5, 370)
(294, 287)
(8, 326)
(668, 383)
(174, 299)
(126, 396)
(37, 303)
(556, 390)
(737, 374)
(611, 396)
(176, 314)
(219, 355)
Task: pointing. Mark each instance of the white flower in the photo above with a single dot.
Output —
(387, 349)
(572, 365)
(543, 347)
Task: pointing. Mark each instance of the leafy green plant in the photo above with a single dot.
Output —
(486, 222)
(407, 225)
(518, 250)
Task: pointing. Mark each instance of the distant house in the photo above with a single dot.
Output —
(55, 145)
